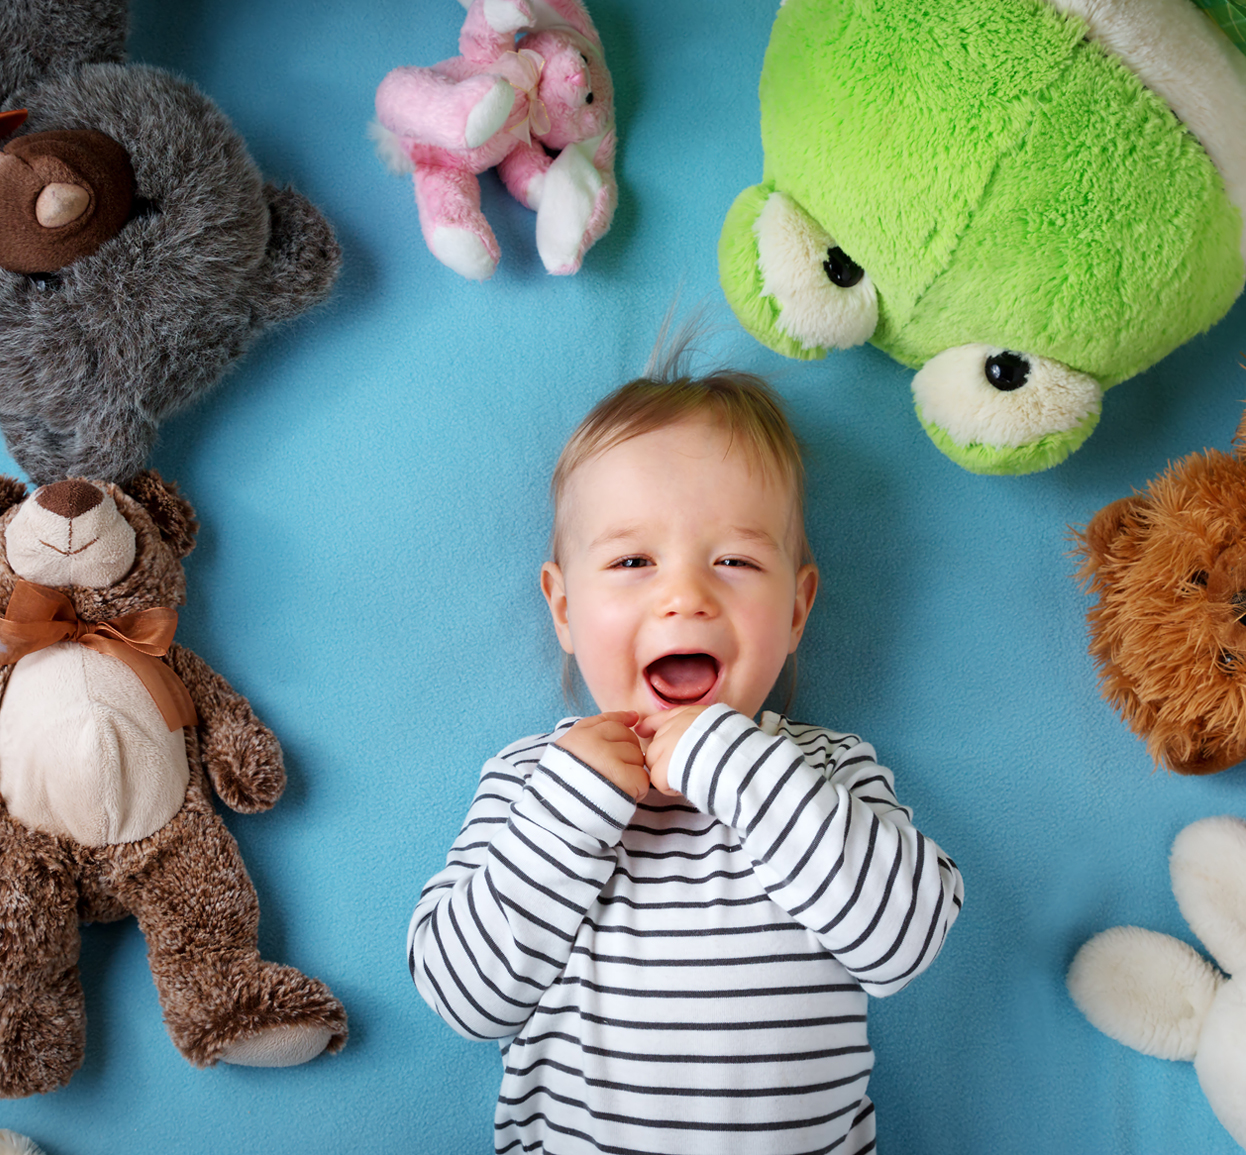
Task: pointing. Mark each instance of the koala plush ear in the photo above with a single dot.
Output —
(1105, 527)
(302, 259)
(44, 36)
(173, 515)
(12, 492)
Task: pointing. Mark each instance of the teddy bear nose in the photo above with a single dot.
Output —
(69, 499)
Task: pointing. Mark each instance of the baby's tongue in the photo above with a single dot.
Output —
(683, 677)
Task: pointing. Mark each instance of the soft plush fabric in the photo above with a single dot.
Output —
(372, 488)
(1007, 181)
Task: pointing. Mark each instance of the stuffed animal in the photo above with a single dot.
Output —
(1168, 632)
(140, 250)
(540, 109)
(1027, 201)
(11, 1143)
(110, 734)
(1161, 997)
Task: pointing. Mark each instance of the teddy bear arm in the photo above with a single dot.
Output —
(241, 755)
(301, 261)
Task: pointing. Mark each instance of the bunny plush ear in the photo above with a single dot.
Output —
(1208, 867)
(1146, 990)
(546, 14)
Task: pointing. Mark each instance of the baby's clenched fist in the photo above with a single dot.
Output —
(607, 743)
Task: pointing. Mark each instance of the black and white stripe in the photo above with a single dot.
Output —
(684, 976)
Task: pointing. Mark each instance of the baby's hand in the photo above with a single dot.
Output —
(607, 743)
(664, 729)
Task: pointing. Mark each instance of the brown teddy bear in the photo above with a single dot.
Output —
(1169, 630)
(109, 736)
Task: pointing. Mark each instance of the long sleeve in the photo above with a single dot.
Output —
(828, 839)
(495, 928)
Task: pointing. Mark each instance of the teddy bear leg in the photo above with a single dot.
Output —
(42, 1017)
(454, 228)
(189, 890)
(425, 106)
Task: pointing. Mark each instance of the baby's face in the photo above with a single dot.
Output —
(677, 584)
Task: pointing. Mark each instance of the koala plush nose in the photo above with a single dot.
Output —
(69, 499)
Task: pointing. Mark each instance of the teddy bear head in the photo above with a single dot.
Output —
(1168, 632)
(111, 550)
(575, 86)
(142, 250)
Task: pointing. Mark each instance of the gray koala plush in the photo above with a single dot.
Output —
(141, 252)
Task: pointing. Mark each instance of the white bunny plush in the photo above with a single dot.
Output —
(1160, 996)
(11, 1143)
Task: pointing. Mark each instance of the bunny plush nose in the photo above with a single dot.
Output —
(62, 194)
(69, 499)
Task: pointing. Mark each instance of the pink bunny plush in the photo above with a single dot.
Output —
(540, 109)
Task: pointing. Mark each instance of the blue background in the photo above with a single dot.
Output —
(372, 488)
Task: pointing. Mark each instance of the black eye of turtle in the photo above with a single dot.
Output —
(588, 99)
(841, 268)
(1007, 371)
(45, 282)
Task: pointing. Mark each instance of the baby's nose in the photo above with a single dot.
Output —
(687, 593)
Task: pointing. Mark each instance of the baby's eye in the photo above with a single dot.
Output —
(739, 562)
(634, 562)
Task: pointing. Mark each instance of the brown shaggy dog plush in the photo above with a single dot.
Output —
(1169, 630)
(109, 737)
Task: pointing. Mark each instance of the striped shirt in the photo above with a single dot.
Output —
(686, 976)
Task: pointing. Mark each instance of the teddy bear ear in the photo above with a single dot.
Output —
(1105, 527)
(12, 492)
(301, 261)
(173, 515)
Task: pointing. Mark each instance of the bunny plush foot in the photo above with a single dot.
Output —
(11, 1143)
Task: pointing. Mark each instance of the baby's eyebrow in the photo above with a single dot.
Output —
(613, 536)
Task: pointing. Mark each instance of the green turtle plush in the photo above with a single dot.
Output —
(1027, 201)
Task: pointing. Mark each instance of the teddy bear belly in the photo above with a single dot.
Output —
(84, 751)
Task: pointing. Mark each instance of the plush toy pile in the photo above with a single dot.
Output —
(1168, 632)
(1161, 997)
(540, 110)
(140, 253)
(122, 184)
(1026, 202)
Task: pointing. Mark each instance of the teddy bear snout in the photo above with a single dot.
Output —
(70, 533)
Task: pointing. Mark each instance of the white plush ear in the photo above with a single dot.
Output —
(1146, 990)
(546, 14)
(1208, 867)
(568, 196)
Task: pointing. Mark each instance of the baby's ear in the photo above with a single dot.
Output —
(301, 262)
(173, 515)
(1096, 540)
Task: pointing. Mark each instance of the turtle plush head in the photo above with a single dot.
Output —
(1027, 201)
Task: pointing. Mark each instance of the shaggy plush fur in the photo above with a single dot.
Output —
(185, 883)
(1169, 630)
(213, 253)
(1004, 180)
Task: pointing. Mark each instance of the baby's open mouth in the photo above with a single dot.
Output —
(682, 679)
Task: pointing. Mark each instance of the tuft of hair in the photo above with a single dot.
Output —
(11, 1143)
(389, 148)
(745, 405)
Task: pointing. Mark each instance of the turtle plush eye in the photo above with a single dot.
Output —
(976, 395)
(825, 298)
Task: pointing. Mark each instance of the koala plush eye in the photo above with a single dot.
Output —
(825, 298)
(979, 395)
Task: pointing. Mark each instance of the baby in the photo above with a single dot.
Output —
(671, 914)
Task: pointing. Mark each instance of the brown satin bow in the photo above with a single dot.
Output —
(39, 616)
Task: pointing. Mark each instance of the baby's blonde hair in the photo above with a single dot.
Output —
(743, 404)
